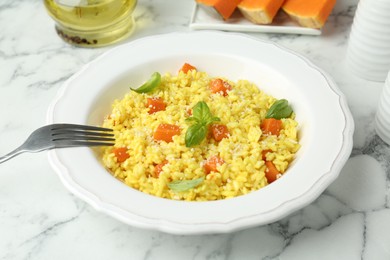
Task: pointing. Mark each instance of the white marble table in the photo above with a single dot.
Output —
(40, 219)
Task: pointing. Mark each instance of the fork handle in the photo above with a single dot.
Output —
(12, 154)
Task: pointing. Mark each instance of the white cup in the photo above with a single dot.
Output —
(382, 117)
(368, 53)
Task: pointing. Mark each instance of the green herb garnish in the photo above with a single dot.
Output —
(185, 185)
(202, 118)
(279, 109)
(149, 85)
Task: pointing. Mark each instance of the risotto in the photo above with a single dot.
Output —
(195, 137)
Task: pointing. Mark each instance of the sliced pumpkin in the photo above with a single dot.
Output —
(271, 126)
(260, 11)
(224, 7)
(271, 172)
(212, 164)
(166, 132)
(218, 132)
(312, 14)
(158, 168)
(155, 104)
(121, 154)
(218, 85)
(187, 67)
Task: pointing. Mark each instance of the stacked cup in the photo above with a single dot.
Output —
(368, 53)
(382, 118)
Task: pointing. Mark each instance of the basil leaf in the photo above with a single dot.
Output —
(279, 109)
(193, 119)
(201, 118)
(195, 134)
(151, 84)
(185, 185)
(201, 111)
(213, 119)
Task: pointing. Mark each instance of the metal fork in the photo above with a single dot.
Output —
(61, 136)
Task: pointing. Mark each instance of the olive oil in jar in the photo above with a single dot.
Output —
(92, 23)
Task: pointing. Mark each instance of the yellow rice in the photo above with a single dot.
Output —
(241, 111)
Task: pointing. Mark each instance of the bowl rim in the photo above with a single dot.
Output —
(56, 157)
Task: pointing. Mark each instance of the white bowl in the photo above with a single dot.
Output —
(326, 129)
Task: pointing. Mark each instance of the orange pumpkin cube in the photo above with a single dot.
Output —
(165, 132)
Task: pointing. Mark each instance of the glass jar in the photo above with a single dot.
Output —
(92, 23)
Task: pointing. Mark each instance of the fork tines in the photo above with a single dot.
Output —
(81, 135)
